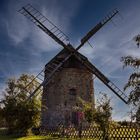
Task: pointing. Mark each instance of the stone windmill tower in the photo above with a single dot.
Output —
(68, 75)
(61, 94)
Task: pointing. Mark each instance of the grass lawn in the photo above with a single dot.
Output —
(25, 138)
(3, 136)
(35, 138)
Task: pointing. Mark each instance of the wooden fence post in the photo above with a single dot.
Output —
(137, 133)
(80, 130)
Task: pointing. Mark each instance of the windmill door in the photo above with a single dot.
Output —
(74, 118)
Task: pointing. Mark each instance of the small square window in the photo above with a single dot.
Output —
(72, 91)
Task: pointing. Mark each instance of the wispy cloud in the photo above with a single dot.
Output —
(113, 43)
(23, 29)
(17, 32)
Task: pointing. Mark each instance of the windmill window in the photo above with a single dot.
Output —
(88, 87)
(72, 91)
(65, 103)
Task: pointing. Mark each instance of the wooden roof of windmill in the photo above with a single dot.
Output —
(62, 54)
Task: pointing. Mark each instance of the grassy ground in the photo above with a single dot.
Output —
(25, 138)
(3, 136)
(35, 138)
(28, 138)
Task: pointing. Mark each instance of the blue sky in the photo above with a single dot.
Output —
(26, 49)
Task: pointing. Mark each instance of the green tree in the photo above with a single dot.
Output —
(88, 109)
(133, 84)
(20, 114)
(137, 40)
(103, 114)
(2, 124)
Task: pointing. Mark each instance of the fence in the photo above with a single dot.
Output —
(95, 132)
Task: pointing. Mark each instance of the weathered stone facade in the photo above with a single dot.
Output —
(60, 95)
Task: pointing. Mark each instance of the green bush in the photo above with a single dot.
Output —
(20, 115)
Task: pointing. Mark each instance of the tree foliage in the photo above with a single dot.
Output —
(133, 84)
(137, 40)
(88, 109)
(101, 115)
(20, 114)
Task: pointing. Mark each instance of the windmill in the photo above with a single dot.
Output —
(68, 74)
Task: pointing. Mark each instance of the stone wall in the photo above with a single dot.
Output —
(60, 95)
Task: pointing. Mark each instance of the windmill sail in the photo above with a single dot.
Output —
(52, 30)
(39, 78)
(105, 80)
(96, 28)
(110, 84)
(33, 83)
(51, 69)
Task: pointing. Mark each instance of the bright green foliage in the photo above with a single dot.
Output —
(89, 115)
(88, 109)
(103, 111)
(101, 115)
(20, 114)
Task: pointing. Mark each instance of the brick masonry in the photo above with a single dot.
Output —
(60, 95)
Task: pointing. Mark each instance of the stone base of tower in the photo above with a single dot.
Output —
(52, 119)
(59, 98)
(65, 116)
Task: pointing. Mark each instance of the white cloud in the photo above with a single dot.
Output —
(18, 31)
